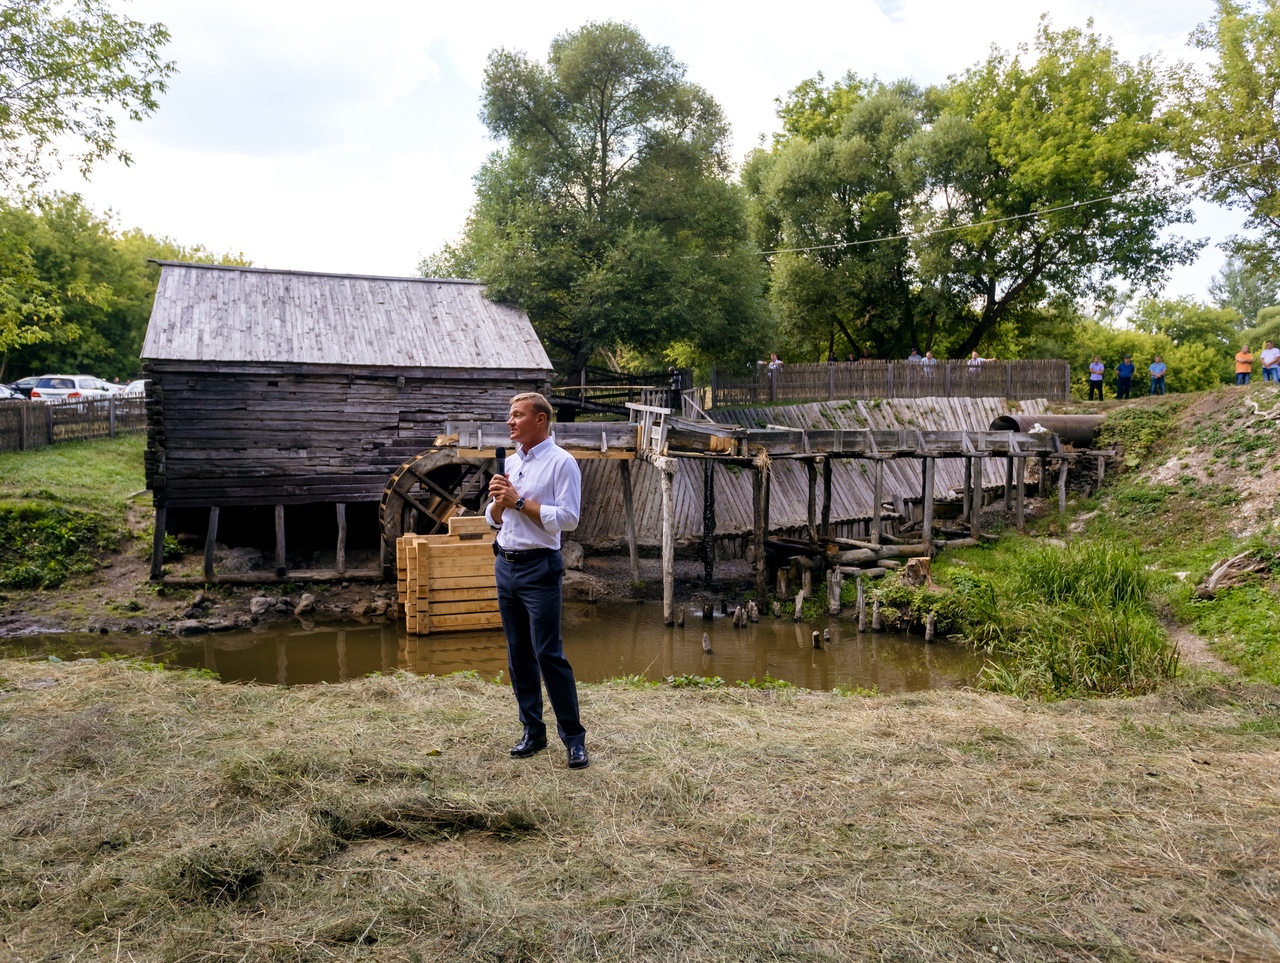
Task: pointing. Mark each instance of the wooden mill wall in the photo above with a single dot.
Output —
(603, 522)
(225, 433)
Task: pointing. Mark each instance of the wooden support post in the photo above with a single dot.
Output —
(1062, 485)
(811, 470)
(806, 583)
(1008, 483)
(975, 519)
(1019, 493)
(798, 614)
(968, 488)
(210, 539)
(111, 417)
(862, 606)
(834, 587)
(757, 513)
(826, 498)
(926, 526)
(877, 623)
(630, 511)
(877, 497)
(342, 655)
(48, 414)
(781, 579)
(1102, 468)
(340, 560)
(157, 544)
(281, 568)
(708, 547)
(668, 549)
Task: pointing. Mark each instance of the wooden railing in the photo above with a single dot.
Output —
(34, 424)
(866, 380)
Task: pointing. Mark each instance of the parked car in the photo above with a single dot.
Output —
(70, 388)
(24, 385)
(138, 387)
(8, 394)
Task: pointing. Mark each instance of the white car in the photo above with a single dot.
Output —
(136, 388)
(70, 388)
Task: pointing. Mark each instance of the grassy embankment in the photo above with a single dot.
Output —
(63, 507)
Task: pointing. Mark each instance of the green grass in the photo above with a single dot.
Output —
(63, 506)
(1242, 625)
(1071, 621)
(93, 475)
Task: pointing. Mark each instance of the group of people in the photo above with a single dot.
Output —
(1270, 359)
(1124, 376)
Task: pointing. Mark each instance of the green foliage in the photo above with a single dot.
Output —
(1063, 621)
(1139, 430)
(97, 475)
(1243, 288)
(96, 284)
(1241, 624)
(987, 172)
(67, 71)
(608, 214)
(41, 546)
(687, 681)
(1229, 131)
(768, 683)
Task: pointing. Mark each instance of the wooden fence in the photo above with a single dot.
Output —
(866, 380)
(34, 424)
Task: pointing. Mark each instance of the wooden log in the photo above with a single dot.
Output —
(968, 488)
(157, 544)
(826, 498)
(930, 626)
(668, 550)
(281, 568)
(1019, 494)
(1008, 483)
(975, 518)
(926, 525)
(1062, 486)
(877, 623)
(1102, 469)
(758, 524)
(811, 473)
(630, 512)
(340, 561)
(799, 612)
(873, 572)
(210, 540)
(877, 497)
(862, 604)
(833, 592)
(806, 581)
(708, 545)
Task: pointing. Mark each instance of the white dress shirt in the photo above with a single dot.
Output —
(550, 476)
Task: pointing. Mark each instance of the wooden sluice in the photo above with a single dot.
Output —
(671, 466)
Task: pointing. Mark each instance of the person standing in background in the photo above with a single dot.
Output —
(1244, 365)
(1270, 359)
(1157, 370)
(1096, 370)
(1124, 376)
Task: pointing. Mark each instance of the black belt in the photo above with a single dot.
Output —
(522, 555)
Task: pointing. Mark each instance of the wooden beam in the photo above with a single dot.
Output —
(340, 561)
(668, 550)
(281, 568)
(926, 526)
(826, 498)
(210, 539)
(1062, 485)
(758, 524)
(630, 511)
(968, 488)
(975, 519)
(708, 546)
(877, 498)
(157, 544)
(811, 472)
(1019, 493)
(1008, 482)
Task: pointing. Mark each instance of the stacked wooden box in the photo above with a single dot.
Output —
(446, 582)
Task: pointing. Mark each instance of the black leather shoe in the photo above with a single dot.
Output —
(528, 745)
(578, 757)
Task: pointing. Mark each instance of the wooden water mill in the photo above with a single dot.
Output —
(427, 490)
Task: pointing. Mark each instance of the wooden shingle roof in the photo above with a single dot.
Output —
(206, 312)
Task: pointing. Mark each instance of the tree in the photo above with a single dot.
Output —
(1229, 130)
(607, 214)
(950, 217)
(1243, 288)
(88, 288)
(64, 64)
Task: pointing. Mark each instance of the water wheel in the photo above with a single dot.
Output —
(429, 488)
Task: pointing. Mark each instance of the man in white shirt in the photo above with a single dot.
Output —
(1270, 358)
(538, 498)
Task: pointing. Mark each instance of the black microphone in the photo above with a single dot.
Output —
(500, 454)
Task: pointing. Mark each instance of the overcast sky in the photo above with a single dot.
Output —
(341, 137)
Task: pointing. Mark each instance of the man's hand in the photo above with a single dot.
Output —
(503, 492)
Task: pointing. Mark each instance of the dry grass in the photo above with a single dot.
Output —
(157, 816)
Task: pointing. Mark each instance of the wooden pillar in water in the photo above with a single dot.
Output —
(926, 526)
(157, 544)
(668, 549)
(281, 569)
(826, 497)
(210, 539)
(877, 498)
(708, 522)
(630, 511)
(1019, 493)
(758, 524)
(811, 472)
(342, 655)
(340, 557)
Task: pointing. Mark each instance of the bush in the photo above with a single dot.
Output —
(42, 545)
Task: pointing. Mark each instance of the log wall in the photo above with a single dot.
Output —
(282, 434)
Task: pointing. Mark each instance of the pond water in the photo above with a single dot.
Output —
(601, 641)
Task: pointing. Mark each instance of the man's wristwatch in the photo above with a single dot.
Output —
(519, 504)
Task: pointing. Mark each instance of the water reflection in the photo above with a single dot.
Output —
(602, 642)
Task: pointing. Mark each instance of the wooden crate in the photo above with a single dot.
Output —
(446, 581)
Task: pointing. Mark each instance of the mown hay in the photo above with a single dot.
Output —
(383, 819)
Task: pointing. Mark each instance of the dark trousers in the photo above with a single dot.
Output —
(1122, 387)
(1095, 386)
(529, 601)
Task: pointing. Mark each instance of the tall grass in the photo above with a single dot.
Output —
(1065, 621)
